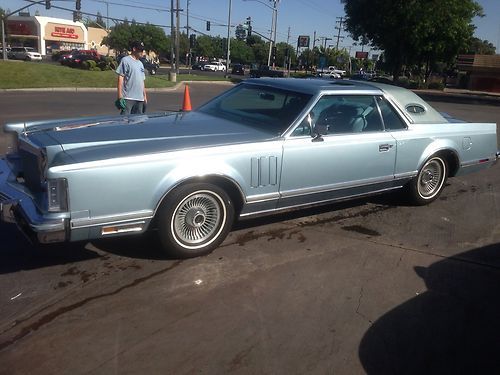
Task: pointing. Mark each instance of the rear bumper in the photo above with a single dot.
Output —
(17, 206)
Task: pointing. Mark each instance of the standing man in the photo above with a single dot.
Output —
(132, 98)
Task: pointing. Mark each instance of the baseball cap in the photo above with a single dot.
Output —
(137, 44)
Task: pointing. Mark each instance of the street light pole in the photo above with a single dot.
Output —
(272, 38)
(228, 38)
(172, 38)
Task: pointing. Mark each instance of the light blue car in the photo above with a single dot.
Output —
(264, 146)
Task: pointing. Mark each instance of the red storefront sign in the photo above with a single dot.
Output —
(64, 32)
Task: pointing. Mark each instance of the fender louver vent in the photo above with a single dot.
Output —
(264, 171)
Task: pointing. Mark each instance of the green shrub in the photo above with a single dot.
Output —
(436, 86)
(86, 65)
(103, 65)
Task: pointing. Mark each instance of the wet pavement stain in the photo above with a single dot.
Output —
(334, 219)
(46, 319)
(362, 230)
(63, 284)
(74, 271)
(278, 234)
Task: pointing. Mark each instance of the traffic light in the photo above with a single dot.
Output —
(77, 16)
(274, 53)
(192, 40)
(47, 4)
(208, 25)
(249, 26)
(78, 4)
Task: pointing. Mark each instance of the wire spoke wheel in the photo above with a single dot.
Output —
(194, 219)
(198, 217)
(431, 178)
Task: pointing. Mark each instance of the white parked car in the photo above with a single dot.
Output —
(215, 66)
(24, 53)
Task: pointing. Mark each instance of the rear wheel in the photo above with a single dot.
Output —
(194, 219)
(429, 182)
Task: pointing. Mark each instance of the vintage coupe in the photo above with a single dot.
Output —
(264, 146)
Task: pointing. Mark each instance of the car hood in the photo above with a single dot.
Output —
(104, 138)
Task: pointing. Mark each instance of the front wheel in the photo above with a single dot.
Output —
(429, 182)
(194, 219)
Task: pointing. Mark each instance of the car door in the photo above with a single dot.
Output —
(355, 157)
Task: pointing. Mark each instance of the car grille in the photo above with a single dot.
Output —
(4, 197)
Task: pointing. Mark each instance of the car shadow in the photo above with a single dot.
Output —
(18, 254)
(452, 328)
(145, 246)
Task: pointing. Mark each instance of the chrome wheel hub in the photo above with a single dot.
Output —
(197, 218)
(431, 178)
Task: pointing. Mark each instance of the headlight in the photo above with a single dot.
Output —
(57, 195)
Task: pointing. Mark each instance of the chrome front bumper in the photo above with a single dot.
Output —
(17, 206)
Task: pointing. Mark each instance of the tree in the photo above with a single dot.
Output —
(97, 23)
(121, 35)
(413, 33)
(479, 47)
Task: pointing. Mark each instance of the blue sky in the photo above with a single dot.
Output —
(303, 17)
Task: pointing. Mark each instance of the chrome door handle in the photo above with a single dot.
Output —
(384, 148)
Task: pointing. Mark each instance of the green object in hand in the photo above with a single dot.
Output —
(120, 104)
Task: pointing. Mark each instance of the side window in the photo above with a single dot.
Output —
(392, 121)
(345, 114)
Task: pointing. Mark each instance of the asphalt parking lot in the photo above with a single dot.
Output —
(369, 286)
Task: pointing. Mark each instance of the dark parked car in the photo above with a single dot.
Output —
(150, 66)
(238, 69)
(264, 71)
(197, 66)
(76, 61)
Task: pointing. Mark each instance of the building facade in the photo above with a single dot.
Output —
(480, 72)
(48, 34)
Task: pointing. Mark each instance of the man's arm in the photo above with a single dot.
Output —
(120, 86)
(145, 96)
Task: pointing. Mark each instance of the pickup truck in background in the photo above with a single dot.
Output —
(265, 71)
(331, 72)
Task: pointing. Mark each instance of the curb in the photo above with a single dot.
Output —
(464, 98)
(113, 89)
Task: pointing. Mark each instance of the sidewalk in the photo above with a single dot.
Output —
(447, 95)
(460, 95)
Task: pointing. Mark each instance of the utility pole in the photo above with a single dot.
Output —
(272, 38)
(177, 37)
(107, 16)
(188, 35)
(228, 39)
(287, 55)
(172, 38)
(339, 28)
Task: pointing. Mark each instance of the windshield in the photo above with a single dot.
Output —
(267, 108)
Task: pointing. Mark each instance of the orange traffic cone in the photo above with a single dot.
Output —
(186, 105)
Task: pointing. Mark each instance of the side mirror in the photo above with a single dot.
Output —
(321, 129)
